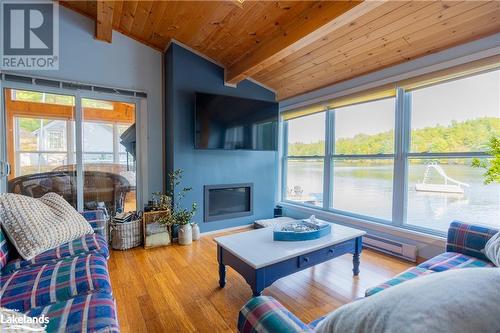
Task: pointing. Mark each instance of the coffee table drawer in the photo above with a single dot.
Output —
(316, 257)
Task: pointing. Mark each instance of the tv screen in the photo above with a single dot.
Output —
(224, 122)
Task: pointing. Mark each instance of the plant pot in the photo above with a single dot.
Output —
(185, 234)
(196, 231)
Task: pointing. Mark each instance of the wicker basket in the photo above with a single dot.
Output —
(126, 235)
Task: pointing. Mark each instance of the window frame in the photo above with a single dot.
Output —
(286, 158)
(401, 158)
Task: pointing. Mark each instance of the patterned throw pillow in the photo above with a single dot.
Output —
(37, 225)
(492, 249)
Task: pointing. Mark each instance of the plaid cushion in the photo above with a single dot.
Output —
(54, 282)
(86, 313)
(451, 260)
(264, 314)
(400, 278)
(6, 249)
(468, 239)
(86, 244)
(98, 220)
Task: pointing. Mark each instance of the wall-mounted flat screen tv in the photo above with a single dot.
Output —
(225, 122)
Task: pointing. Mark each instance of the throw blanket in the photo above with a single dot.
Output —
(461, 300)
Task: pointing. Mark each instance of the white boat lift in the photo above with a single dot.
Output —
(455, 187)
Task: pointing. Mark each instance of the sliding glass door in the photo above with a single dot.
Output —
(81, 148)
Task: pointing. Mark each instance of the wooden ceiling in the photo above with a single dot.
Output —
(297, 46)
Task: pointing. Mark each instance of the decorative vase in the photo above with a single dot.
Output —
(185, 234)
(196, 231)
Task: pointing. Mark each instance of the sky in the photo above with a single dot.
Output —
(469, 98)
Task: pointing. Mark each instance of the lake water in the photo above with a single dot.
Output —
(367, 189)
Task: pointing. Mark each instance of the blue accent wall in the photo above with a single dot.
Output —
(185, 74)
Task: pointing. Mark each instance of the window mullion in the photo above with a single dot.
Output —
(284, 161)
(327, 161)
(79, 152)
(400, 160)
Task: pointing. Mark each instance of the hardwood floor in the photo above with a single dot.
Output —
(175, 288)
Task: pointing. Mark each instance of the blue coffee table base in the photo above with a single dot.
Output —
(260, 278)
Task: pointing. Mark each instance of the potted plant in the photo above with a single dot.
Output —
(179, 215)
(492, 166)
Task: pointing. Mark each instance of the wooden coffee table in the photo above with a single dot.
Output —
(261, 260)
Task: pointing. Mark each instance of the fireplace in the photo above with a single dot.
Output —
(227, 201)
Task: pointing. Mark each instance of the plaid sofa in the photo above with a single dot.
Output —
(464, 249)
(69, 284)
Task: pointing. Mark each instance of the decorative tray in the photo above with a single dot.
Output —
(301, 230)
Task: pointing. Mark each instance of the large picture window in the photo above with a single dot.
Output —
(404, 159)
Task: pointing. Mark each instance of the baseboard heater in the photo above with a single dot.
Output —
(401, 250)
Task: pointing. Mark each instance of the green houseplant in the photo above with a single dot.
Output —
(179, 215)
(492, 166)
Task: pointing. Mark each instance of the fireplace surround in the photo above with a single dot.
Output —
(227, 201)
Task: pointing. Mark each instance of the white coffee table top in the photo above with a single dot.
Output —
(258, 249)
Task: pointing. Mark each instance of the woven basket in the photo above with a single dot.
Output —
(126, 235)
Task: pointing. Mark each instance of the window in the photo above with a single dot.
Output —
(404, 159)
(363, 158)
(305, 159)
(450, 119)
(55, 140)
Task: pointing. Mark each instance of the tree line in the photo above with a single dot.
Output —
(466, 136)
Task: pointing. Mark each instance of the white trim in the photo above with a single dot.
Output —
(369, 225)
(261, 84)
(199, 54)
(218, 231)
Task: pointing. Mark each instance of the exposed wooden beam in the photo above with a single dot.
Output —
(104, 20)
(297, 35)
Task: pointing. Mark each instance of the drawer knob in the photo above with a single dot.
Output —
(305, 259)
(330, 251)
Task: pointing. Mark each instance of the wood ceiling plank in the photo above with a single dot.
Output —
(142, 13)
(117, 15)
(128, 14)
(396, 9)
(199, 18)
(163, 33)
(299, 33)
(154, 19)
(444, 35)
(211, 24)
(104, 20)
(236, 31)
(351, 45)
(361, 29)
(364, 49)
(225, 35)
(271, 21)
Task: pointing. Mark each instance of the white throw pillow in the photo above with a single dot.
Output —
(458, 300)
(492, 249)
(37, 225)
